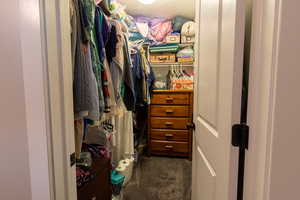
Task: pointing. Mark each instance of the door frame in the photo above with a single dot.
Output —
(56, 43)
(262, 86)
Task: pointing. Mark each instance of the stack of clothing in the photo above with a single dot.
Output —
(170, 48)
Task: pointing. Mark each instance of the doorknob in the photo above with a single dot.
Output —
(191, 126)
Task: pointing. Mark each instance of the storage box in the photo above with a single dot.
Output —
(162, 57)
(185, 60)
(188, 32)
(187, 39)
(174, 38)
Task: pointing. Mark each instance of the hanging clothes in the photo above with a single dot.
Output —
(124, 137)
(143, 77)
(128, 85)
(103, 32)
(116, 67)
(85, 98)
(138, 78)
(111, 44)
(73, 23)
(107, 83)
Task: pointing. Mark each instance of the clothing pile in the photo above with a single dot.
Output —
(83, 176)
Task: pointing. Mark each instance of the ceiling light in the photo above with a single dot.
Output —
(147, 1)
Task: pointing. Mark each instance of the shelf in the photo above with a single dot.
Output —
(186, 44)
(189, 64)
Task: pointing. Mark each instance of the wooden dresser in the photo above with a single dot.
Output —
(170, 113)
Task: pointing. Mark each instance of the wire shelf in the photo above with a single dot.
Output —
(191, 64)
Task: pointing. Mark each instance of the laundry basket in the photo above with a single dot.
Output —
(117, 181)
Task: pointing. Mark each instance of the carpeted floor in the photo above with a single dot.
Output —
(160, 178)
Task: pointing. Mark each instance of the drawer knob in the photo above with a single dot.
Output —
(169, 99)
(169, 147)
(169, 111)
(169, 124)
(169, 135)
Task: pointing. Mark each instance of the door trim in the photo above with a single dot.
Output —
(57, 52)
(261, 96)
(262, 86)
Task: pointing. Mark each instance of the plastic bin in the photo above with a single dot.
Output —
(117, 181)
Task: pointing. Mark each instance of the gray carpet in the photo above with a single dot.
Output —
(160, 178)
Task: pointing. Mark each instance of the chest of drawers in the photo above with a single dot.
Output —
(170, 113)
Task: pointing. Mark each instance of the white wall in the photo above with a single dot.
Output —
(24, 157)
(14, 167)
(285, 159)
(161, 8)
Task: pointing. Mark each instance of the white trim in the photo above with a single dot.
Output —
(59, 72)
(261, 97)
(262, 87)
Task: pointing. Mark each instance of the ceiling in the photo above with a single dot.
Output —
(161, 8)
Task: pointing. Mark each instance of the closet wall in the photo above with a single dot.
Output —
(24, 157)
(161, 8)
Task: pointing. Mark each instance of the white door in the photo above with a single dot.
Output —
(217, 100)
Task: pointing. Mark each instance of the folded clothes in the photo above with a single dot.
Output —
(97, 151)
(161, 30)
(178, 22)
(133, 36)
(150, 21)
(185, 56)
(143, 28)
(186, 52)
(170, 48)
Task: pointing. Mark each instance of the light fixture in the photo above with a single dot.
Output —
(147, 1)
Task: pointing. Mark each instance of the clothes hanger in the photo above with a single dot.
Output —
(178, 71)
(104, 8)
(181, 70)
(172, 71)
(97, 1)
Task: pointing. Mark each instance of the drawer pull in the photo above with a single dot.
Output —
(169, 147)
(169, 124)
(169, 135)
(169, 99)
(163, 58)
(169, 111)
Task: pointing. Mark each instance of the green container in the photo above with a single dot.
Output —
(117, 181)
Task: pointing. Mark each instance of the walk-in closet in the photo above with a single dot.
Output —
(133, 78)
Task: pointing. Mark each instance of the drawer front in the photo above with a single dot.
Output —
(170, 135)
(170, 99)
(169, 111)
(169, 123)
(166, 146)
